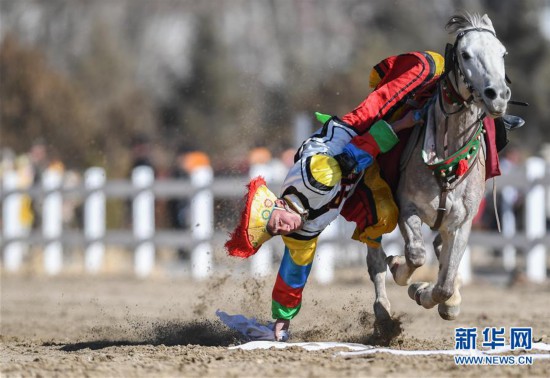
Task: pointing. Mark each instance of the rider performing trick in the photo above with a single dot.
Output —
(316, 190)
(336, 172)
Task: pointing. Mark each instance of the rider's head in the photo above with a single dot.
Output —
(264, 216)
(283, 219)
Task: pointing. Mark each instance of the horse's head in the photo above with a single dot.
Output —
(478, 59)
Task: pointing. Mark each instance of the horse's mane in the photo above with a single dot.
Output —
(466, 20)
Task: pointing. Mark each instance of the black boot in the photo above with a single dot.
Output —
(504, 124)
(512, 122)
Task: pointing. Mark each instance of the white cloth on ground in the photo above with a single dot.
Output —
(250, 328)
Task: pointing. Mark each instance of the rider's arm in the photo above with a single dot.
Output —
(381, 137)
(407, 72)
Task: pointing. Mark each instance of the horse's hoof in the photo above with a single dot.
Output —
(415, 290)
(448, 312)
(399, 276)
(382, 310)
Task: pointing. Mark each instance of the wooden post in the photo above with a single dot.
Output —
(143, 220)
(94, 219)
(52, 221)
(202, 216)
(12, 225)
(535, 220)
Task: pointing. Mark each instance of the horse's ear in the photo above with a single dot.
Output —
(487, 21)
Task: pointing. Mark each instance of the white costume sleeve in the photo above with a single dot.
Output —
(314, 183)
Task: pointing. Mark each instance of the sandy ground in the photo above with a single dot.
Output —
(120, 327)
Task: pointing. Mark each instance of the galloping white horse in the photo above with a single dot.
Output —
(444, 180)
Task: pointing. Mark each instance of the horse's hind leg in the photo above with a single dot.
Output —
(377, 267)
(402, 267)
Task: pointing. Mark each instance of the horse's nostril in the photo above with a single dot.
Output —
(490, 93)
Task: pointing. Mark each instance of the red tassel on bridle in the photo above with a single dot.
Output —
(462, 167)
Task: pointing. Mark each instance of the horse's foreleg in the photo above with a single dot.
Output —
(377, 267)
(422, 292)
(402, 267)
(446, 291)
(437, 244)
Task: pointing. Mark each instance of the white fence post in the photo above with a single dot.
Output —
(325, 258)
(535, 220)
(12, 225)
(143, 219)
(52, 221)
(202, 215)
(94, 219)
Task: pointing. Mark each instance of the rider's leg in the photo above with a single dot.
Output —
(291, 280)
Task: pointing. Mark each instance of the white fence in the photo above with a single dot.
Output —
(203, 240)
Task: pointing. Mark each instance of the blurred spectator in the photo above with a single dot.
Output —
(187, 162)
(545, 153)
(259, 159)
(39, 161)
(178, 208)
(38, 155)
(511, 201)
(279, 166)
(141, 153)
(510, 159)
(195, 160)
(7, 160)
(25, 180)
(287, 157)
(7, 163)
(272, 169)
(73, 207)
(511, 207)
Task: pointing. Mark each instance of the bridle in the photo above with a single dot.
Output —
(452, 64)
(469, 152)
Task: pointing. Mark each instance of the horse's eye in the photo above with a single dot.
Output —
(465, 55)
(505, 53)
